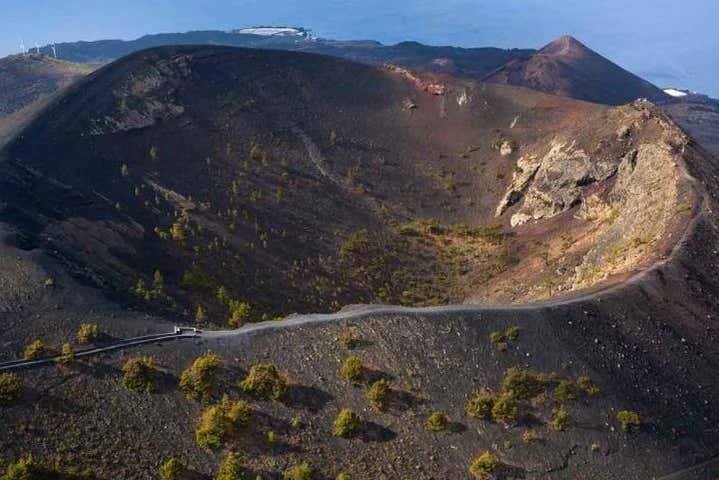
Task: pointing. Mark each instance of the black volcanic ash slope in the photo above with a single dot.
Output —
(178, 139)
(304, 183)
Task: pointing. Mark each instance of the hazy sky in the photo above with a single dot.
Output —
(670, 42)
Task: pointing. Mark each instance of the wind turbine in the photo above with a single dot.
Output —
(22, 46)
(54, 52)
(37, 48)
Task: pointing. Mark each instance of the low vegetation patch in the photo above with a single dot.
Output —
(139, 374)
(628, 420)
(585, 384)
(172, 469)
(522, 384)
(232, 467)
(265, 382)
(10, 388)
(484, 466)
(197, 381)
(480, 405)
(437, 422)
(303, 471)
(505, 409)
(87, 333)
(352, 370)
(378, 395)
(28, 468)
(221, 421)
(566, 391)
(35, 350)
(346, 424)
(561, 419)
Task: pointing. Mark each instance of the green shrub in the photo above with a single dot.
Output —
(87, 333)
(139, 374)
(437, 422)
(349, 339)
(201, 314)
(512, 333)
(522, 384)
(67, 354)
(232, 468)
(221, 421)
(239, 313)
(484, 466)
(265, 382)
(10, 388)
(303, 471)
(352, 370)
(28, 469)
(378, 395)
(197, 381)
(343, 476)
(172, 469)
(346, 424)
(496, 337)
(586, 384)
(561, 419)
(629, 420)
(566, 391)
(530, 436)
(35, 350)
(505, 409)
(480, 405)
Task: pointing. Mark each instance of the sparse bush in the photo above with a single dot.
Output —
(239, 313)
(512, 333)
(67, 354)
(196, 382)
(87, 333)
(346, 424)
(232, 468)
(139, 374)
(530, 436)
(586, 384)
(172, 469)
(296, 422)
(222, 295)
(201, 314)
(343, 476)
(219, 422)
(480, 405)
(566, 391)
(10, 388)
(629, 420)
(484, 466)
(496, 336)
(522, 384)
(28, 469)
(265, 382)
(505, 409)
(303, 471)
(437, 422)
(352, 370)
(378, 394)
(561, 419)
(211, 432)
(349, 339)
(35, 350)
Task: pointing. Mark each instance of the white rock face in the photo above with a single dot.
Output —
(675, 93)
(463, 98)
(506, 149)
